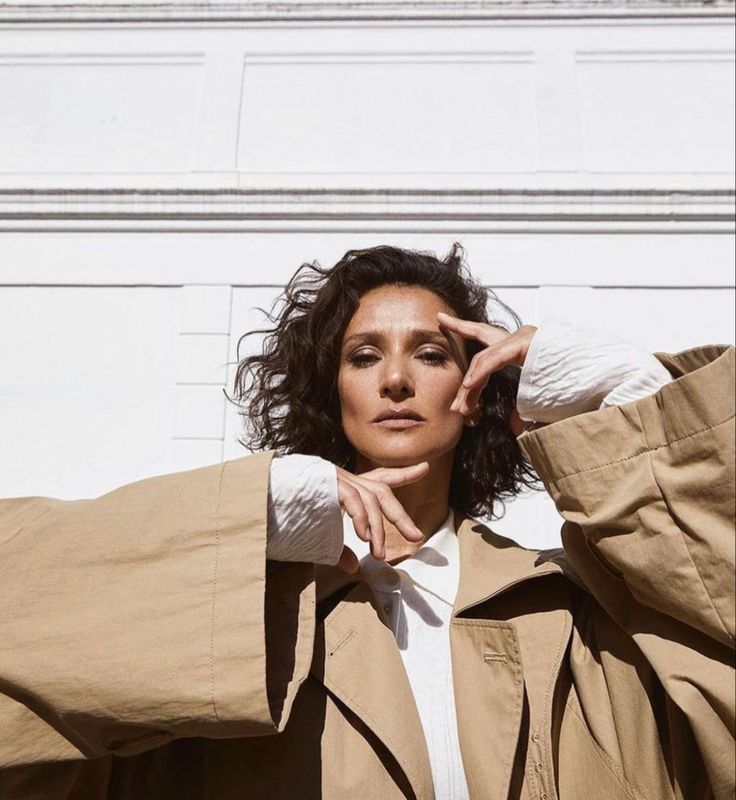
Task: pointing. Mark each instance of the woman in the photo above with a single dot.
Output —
(192, 636)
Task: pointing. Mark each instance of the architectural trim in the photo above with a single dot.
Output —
(299, 209)
(269, 11)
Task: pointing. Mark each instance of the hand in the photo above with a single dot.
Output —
(502, 348)
(368, 498)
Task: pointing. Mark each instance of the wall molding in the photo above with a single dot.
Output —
(268, 11)
(299, 209)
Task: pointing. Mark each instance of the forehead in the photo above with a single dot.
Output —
(398, 307)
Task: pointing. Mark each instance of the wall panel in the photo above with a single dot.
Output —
(98, 112)
(87, 387)
(346, 114)
(649, 112)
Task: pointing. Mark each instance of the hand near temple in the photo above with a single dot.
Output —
(501, 349)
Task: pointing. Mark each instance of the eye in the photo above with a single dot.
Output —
(434, 357)
(362, 359)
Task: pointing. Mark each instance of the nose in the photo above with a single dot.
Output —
(396, 381)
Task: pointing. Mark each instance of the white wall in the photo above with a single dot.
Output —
(163, 171)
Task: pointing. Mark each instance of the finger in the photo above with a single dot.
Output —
(480, 331)
(485, 363)
(395, 513)
(350, 500)
(472, 399)
(476, 379)
(348, 561)
(398, 476)
(375, 521)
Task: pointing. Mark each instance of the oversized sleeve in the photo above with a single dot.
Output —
(647, 492)
(147, 614)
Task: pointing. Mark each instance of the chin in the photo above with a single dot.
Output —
(404, 454)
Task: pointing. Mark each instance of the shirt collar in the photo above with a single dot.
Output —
(435, 566)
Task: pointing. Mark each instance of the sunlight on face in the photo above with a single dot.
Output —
(395, 358)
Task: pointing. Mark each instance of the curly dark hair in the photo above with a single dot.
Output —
(288, 393)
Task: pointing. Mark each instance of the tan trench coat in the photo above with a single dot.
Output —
(148, 649)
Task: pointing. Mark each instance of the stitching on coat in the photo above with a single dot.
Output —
(518, 706)
(27, 524)
(489, 657)
(643, 452)
(606, 760)
(214, 592)
(551, 685)
(532, 776)
(465, 622)
(345, 639)
(516, 667)
(684, 538)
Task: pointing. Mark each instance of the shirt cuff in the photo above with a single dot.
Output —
(304, 516)
(570, 369)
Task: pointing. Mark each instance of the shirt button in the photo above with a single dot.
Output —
(539, 766)
(536, 737)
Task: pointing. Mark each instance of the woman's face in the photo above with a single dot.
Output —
(394, 358)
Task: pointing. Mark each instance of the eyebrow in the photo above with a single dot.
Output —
(415, 335)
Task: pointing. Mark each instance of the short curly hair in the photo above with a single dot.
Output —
(288, 392)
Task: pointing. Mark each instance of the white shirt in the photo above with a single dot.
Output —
(568, 370)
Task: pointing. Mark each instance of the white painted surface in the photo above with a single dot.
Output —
(355, 108)
(180, 173)
(592, 257)
(78, 113)
(87, 388)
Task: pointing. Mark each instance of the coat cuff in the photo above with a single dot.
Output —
(253, 605)
(698, 400)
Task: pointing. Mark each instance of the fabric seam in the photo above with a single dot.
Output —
(27, 524)
(646, 451)
(606, 760)
(548, 701)
(214, 592)
(687, 550)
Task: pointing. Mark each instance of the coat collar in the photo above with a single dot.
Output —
(490, 564)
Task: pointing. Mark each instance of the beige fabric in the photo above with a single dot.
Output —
(148, 650)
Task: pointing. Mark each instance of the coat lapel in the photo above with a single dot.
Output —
(362, 667)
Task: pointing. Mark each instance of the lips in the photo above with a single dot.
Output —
(398, 414)
(399, 419)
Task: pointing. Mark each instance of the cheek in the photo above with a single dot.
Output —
(444, 388)
(352, 392)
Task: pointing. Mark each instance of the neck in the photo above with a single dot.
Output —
(426, 502)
